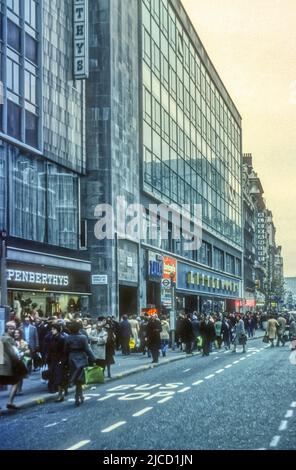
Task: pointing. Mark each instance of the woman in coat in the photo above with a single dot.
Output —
(79, 356)
(153, 337)
(292, 333)
(164, 335)
(110, 347)
(98, 340)
(12, 369)
(240, 334)
(56, 362)
(271, 330)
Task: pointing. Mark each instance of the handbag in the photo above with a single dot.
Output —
(242, 339)
(45, 374)
(94, 375)
(265, 339)
(19, 368)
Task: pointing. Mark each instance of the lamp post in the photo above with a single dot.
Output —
(3, 238)
(173, 310)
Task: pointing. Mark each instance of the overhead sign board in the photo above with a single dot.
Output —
(80, 34)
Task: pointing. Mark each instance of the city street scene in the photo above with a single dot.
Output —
(147, 221)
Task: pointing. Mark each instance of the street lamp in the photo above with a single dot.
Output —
(3, 238)
(173, 310)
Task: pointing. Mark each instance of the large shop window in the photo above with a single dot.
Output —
(27, 197)
(43, 203)
(62, 207)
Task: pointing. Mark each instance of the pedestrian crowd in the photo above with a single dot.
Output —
(61, 348)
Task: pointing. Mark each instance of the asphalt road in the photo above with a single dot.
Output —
(224, 401)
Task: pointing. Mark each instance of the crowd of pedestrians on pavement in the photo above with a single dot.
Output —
(61, 347)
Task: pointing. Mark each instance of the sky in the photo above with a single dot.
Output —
(253, 47)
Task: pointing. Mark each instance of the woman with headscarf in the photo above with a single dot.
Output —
(12, 369)
(79, 356)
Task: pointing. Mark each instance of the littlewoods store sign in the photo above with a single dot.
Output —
(30, 277)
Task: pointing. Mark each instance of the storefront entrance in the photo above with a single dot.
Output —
(128, 300)
(153, 294)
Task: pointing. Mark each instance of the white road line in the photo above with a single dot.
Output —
(93, 395)
(249, 355)
(289, 414)
(185, 389)
(242, 359)
(293, 404)
(283, 425)
(219, 371)
(164, 400)
(106, 397)
(275, 441)
(198, 382)
(78, 445)
(227, 367)
(142, 412)
(235, 362)
(50, 425)
(186, 370)
(114, 426)
(209, 376)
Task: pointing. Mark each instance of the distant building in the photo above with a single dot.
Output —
(263, 262)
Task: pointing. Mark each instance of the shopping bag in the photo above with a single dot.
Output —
(199, 342)
(265, 339)
(94, 375)
(132, 343)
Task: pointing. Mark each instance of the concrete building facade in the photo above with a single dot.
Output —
(161, 128)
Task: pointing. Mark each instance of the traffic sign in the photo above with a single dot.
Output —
(166, 283)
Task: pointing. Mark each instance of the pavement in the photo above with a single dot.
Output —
(35, 392)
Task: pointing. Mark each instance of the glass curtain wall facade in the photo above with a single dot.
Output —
(191, 140)
(41, 123)
(20, 70)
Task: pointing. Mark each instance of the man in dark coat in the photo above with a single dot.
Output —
(207, 331)
(125, 334)
(186, 333)
(153, 337)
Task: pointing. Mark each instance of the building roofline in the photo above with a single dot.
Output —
(204, 56)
